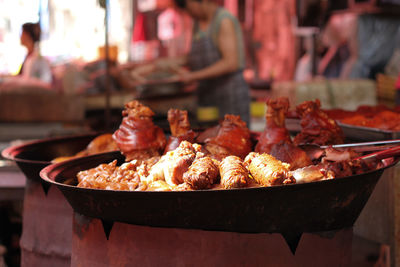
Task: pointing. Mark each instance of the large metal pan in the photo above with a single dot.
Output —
(33, 156)
(289, 209)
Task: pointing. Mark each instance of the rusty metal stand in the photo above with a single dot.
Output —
(153, 246)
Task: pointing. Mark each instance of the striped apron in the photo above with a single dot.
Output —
(228, 93)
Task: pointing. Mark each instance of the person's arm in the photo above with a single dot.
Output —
(37, 73)
(160, 64)
(18, 82)
(353, 50)
(229, 62)
(323, 64)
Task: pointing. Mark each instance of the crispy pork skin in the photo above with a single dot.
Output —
(275, 131)
(316, 126)
(137, 137)
(230, 137)
(180, 129)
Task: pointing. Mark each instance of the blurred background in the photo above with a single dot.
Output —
(289, 44)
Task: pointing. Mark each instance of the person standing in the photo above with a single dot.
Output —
(216, 61)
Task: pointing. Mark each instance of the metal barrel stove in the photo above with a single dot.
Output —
(47, 216)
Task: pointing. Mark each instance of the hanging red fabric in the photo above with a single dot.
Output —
(139, 33)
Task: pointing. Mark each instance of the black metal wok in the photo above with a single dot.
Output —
(34, 156)
(289, 209)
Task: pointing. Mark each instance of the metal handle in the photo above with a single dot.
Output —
(374, 143)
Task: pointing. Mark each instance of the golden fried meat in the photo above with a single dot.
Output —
(128, 176)
(267, 170)
(98, 177)
(312, 173)
(233, 173)
(101, 144)
(292, 154)
(159, 185)
(174, 164)
(202, 174)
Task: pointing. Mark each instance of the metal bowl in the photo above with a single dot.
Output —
(33, 156)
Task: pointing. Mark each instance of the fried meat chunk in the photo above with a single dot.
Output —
(171, 167)
(312, 173)
(316, 126)
(267, 170)
(100, 144)
(292, 154)
(233, 173)
(275, 130)
(128, 176)
(202, 174)
(230, 137)
(180, 129)
(137, 137)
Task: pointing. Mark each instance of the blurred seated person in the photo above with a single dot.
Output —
(216, 61)
(304, 65)
(335, 49)
(35, 70)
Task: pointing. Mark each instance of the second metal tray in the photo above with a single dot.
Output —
(361, 133)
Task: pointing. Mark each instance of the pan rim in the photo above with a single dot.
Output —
(13, 152)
